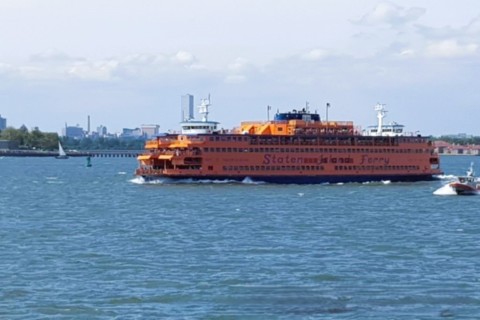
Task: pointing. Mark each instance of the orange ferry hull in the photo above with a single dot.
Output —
(290, 159)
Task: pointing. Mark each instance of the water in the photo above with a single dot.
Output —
(90, 243)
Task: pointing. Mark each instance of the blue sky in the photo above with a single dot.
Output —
(127, 63)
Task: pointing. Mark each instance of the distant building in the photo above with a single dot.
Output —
(3, 123)
(102, 131)
(150, 130)
(131, 133)
(73, 132)
(187, 107)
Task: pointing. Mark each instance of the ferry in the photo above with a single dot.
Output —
(294, 147)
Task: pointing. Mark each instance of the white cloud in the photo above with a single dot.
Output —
(6, 69)
(100, 71)
(184, 57)
(473, 27)
(450, 49)
(407, 53)
(315, 55)
(238, 71)
(391, 14)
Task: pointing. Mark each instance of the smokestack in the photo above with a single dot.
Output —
(88, 125)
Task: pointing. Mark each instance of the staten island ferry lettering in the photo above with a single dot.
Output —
(294, 147)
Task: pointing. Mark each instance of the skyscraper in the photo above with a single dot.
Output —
(187, 107)
(3, 123)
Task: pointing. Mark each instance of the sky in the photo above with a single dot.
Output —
(126, 63)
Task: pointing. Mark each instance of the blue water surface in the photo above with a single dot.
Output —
(95, 243)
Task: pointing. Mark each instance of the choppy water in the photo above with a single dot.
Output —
(90, 243)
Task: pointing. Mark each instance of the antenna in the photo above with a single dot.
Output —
(203, 108)
(380, 108)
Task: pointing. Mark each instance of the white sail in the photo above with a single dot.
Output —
(61, 153)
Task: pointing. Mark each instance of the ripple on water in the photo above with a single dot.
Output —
(78, 243)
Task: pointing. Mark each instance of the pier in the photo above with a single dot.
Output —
(83, 153)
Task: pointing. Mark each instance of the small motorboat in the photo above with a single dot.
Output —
(466, 185)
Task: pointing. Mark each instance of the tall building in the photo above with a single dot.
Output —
(187, 107)
(73, 132)
(3, 123)
(128, 133)
(150, 130)
(102, 131)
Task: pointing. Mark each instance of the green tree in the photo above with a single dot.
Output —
(15, 135)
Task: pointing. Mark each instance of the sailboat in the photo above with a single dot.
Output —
(61, 152)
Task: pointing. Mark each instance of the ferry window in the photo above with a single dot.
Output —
(229, 149)
(210, 167)
(224, 149)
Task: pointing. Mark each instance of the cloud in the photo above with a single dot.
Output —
(450, 48)
(56, 65)
(100, 71)
(6, 69)
(315, 55)
(184, 58)
(391, 14)
(473, 27)
(239, 70)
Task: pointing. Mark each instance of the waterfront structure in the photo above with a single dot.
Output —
(445, 148)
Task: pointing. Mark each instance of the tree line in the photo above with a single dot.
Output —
(37, 140)
(34, 139)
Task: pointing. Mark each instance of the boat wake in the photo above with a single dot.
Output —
(445, 190)
(140, 180)
(445, 177)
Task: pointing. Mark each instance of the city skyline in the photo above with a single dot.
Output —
(127, 63)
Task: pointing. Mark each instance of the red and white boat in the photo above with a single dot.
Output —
(466, 185)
